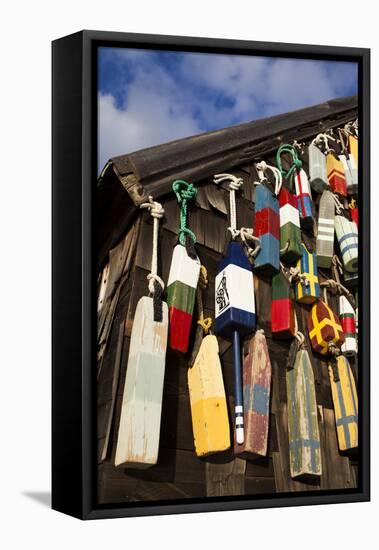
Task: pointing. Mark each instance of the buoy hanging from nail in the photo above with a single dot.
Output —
(184, 273)
(307, 286)
(304, 198)
(336, 174)
(297, 174)
(256, 397)
(290, 234)
(317, 166)
(324, 327)
(282, 307)
(234, 299)
(347, 317)
(303, 430)
(347, 236)
(266, 225)
(325, 230)
(345, 402)
(140, 417)
(209, 412)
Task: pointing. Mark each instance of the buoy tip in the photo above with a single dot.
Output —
(240, 436)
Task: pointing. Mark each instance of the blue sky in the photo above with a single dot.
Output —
(148, 97)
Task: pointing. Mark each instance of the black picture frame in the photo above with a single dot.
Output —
(73, 271)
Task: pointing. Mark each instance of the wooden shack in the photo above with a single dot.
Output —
(124, 255)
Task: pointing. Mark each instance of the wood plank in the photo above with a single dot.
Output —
(225, 475)
(116, 372)
(336, 471)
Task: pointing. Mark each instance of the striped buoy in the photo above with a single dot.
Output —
(307, 288)
(324, 328)
(235, 313)
(266, 229)
(347, 318)
(325, 230)
(256, 396)
(317, 169)
(282, 307)
(336, 174)
(304, 198)
(351, 173)
(181, 292)
(345, 402)
(347, 236)
(290, 234)
(234, 299)
(303, 430)
(184, 273)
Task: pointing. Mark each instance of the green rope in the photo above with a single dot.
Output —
(184, 192)
(296, 162)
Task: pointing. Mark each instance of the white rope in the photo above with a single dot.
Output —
(247, 234)
(339, 206)
(323, 138)
(261, 168)
(234, 185)
(157, 212)
(296, 275)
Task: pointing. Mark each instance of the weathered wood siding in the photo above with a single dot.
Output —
(179, 473)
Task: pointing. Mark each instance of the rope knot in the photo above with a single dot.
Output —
(261, 168)
(155, 208)
(205, 324)
(234, 182)
(247, 234)
(153, 278)
(296, 164)
(184, 191)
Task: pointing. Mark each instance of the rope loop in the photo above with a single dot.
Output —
(261, 168)
(295, 276)
(155, 208)
(300, 338)
(296, 162)
(205, 324)
(247, 234)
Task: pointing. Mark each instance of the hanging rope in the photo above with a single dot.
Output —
(262, 167)
(296, 162)
(324, 138)
(339, 206)
(185, 192)
(246, 234)
(296, 276)
(156, 285)
(336, 286)
(234, 185)
(204, 323)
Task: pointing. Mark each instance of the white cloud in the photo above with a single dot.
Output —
(208, 91)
